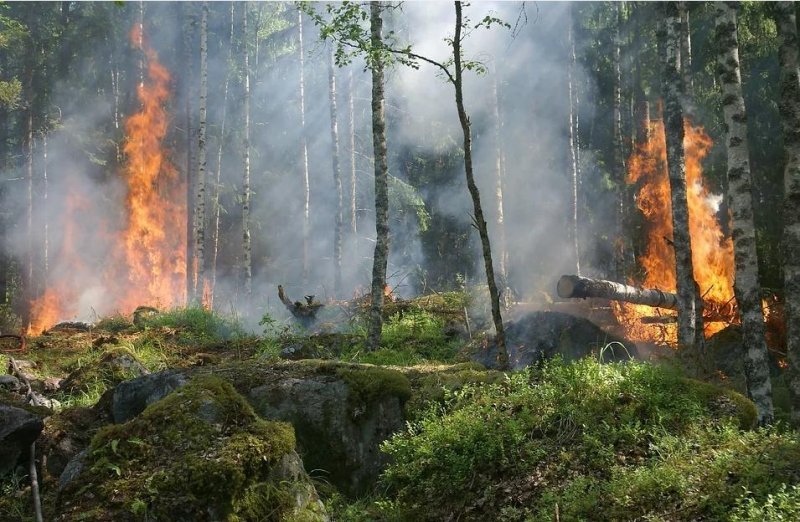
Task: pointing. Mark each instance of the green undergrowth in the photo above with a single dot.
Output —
(411, 337)
(194, 324)
(603, 442)
(201, 453)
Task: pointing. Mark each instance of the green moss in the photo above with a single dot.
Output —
(433, 386)
(370, 384)
(198, 454)
(604, 442)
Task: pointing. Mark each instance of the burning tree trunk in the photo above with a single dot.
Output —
(572, 286)
(337, 182)
(246, 243)
(200, 188)
(690, 321)
(380, 257)
(746, 287)
(304, 149)
(790, 120)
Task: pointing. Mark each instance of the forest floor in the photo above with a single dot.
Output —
(558, 441)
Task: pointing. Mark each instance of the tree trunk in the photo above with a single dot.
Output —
(215, 207)
(45, 215)
(247, 265)
(570, 286)
(480, 222)
(352, 130)
(746, 286)
(191, 266)
(618, 239)
(337, 182)
(499, 187)
(28, 279)
(573, 151)
(381, 255)
(790, 122)
(304, 151)
(200, 188)
(690, 328)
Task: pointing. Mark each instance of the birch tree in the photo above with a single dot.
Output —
(573, 145)
(247, 263)
(790, 122)
(746, 286)
(215, 205)
(337, 182)
(304, 148)
(200, 185)
(690, 325)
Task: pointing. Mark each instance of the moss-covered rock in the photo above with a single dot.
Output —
(341, 414)
(117, 364)
(201, 453)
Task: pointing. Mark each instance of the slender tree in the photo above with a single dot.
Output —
(619, 158)
(746, 286)
(574, 174)
(352, 133)
(200, 185)
(690, 329)
(381, 255)
(337, 182)
(215, 205)
(790, 122)
(247, 265)
(458, 65)
(499, 186)
(304, 149)
(191, 166)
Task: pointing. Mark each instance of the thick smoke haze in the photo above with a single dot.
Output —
(86, 191)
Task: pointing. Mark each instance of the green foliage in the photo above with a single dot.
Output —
(114, 324)
(783, 505)
(605, 442)
(195, 324)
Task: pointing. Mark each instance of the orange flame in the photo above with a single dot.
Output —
(712, 251)
(147, 265)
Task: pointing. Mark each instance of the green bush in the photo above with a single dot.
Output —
(603, 442)
(783, 505)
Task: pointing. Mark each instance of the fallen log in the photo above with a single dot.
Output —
(582, 287)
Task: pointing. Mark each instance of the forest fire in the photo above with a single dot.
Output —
(712, 252)
(146, 260)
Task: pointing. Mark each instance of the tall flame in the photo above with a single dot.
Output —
(147, 263)
(712, 251)
(154, 242)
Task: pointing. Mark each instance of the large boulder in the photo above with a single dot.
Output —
(130, 398)
(19, 428)
(341, 414)
(542, 335)
(199, 454)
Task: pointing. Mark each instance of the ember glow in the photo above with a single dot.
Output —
(712, 252)
(146, 263)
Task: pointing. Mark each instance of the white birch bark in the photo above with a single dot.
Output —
(746, 285)
(247, 263)
(200, 186)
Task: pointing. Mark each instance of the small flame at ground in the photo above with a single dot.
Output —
(712, 251)
(147, 264)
